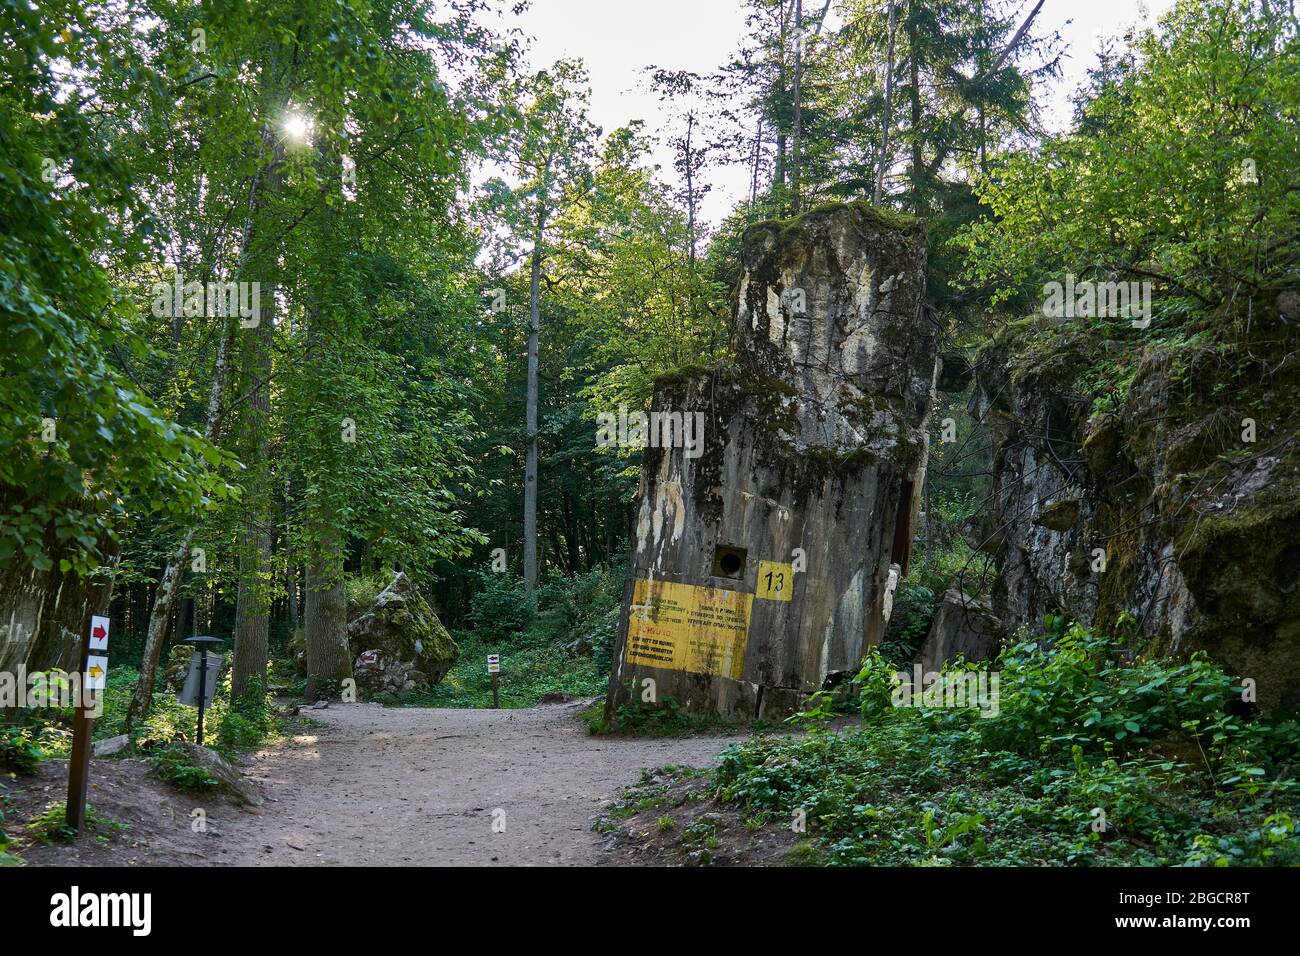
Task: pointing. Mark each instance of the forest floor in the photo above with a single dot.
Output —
(362, 784)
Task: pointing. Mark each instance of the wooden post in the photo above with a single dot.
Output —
(494, 667)
(79, 764)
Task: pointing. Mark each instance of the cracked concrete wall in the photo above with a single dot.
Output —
(811, 438)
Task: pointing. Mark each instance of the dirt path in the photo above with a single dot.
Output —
(415, 787)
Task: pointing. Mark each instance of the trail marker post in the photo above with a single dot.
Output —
(494, 668)
(91, 678)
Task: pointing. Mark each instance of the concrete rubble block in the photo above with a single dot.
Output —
(110, 746)
(762, 546)
(962, 626)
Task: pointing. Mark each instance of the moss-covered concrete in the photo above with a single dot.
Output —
(1199, 526)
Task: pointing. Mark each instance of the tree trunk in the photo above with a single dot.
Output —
(252, 606)
(187, 619)
(530, 465)
(778, 171)
(889, 109)
(916, 112)
(571, 537)
(798, 104)
(328, 658)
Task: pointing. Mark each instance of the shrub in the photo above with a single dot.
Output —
(363, 589)
(52, 825)
(174, 766)
(1149, 748)
(19, 750)
(6, 858)
(500, 608)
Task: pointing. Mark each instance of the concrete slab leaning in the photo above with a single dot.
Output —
(760, 566)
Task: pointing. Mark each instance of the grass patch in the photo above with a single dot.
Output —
(662, 719)
(527, 674)
(174, 766)
(532, 643)
(52, 824)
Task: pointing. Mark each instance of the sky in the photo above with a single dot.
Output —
(618, 39)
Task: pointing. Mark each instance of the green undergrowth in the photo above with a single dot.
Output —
(1090, 760)
(51, 826)
(532, 641)
(662, 719)
(7, 858)
(918, 595)
(174, 766)
(229, 726)
(527, 674)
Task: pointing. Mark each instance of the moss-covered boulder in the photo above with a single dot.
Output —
(399, 644)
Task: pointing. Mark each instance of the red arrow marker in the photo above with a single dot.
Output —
(99, 631)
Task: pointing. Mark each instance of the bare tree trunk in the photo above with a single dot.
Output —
(690, 215)
(252, 607)
(778, 171)
(916, 112)
(798, 103)
(889, 109)
(328, 658)
(1015, 39)
(530, 464)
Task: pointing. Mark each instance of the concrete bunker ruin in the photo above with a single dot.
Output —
(763, 568)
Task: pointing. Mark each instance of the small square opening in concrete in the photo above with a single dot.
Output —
(729, 562)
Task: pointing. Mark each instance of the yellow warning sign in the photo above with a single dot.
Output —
(684, 627)
(775, 581)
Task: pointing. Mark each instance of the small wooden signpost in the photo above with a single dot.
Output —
(91, 679)
(494, 668)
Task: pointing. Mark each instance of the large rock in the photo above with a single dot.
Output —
(399, 643)
(110, 746)
(1146, 512)
(962, 626)
(229, 780)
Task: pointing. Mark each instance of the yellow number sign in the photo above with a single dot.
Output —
(775, 581)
